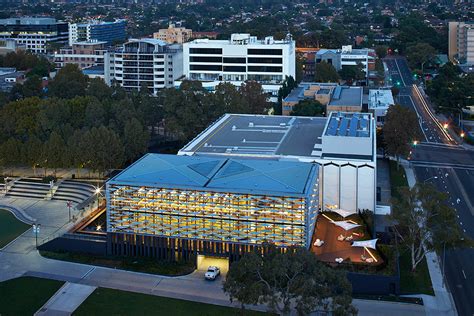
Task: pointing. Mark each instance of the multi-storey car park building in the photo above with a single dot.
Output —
(34, 33)
(241, 58)
(95, 30)
(244, 180)
(144, 62)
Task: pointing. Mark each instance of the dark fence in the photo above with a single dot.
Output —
(374, 284)
(88, 246)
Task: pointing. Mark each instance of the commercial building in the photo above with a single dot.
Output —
(331, 95)
(144, 62)
(173, 34)
(34, 33)
(348, 56)
(245, 180)
(95, 30)
(461, 42)
(342, 144)
(241, 58)
(379, 102)
(82, 54)
(217, 203)
(10, 45)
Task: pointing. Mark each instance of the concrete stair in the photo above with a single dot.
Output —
(28, 188)
(73, 191)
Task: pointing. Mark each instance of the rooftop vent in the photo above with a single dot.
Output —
(250, 124)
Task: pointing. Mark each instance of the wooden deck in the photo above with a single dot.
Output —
(333, 248)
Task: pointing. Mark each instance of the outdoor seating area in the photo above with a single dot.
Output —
(344, 239)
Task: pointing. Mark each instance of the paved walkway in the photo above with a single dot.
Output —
(66, 300)
(442, 303)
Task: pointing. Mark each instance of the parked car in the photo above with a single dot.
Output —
(212, 273)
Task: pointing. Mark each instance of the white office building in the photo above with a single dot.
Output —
(379, 101)
(461, 42)
(241, 58)
(96, 30)
(144, 62)
(348, 56)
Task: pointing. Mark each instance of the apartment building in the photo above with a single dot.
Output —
(35, 34)
(241, 58)
(95, 30)
(461, 42)
(348, 56)
(174, 34)
(83, 54)
(144, 62)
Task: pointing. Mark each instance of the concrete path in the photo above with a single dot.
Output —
(442, 303)
(66, 300)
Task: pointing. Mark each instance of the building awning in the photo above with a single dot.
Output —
(372, 243)
(345, 225)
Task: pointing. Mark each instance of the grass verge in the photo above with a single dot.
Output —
(10, 227)
(115, 302)
(25, 295)
(145, 265)
(398, 178)
(418, 282)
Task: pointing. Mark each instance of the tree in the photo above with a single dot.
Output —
(424, 221)
(381, 51)
(419, 54)
(352, 73)
(324, 72)
(288, 84)
(308, 108)
(254, 97)
(68, 83)
(291, 279)
(54, 151)
(401, 128)
(135, 139)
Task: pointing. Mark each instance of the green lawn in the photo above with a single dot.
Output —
(25, 295)
(10, 227)
(114, 302)
(397, 178)
(414, 283)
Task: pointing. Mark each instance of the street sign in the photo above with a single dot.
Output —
(69, 204)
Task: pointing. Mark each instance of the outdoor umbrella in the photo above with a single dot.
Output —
(343, 213)
(371, 243)
(345, 225)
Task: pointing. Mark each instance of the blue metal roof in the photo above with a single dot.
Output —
(253, 176)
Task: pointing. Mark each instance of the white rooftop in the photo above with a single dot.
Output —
(380, 99)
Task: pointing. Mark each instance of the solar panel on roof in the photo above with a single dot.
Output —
(343, 127)
(353, 126)
(332, 127)
(364, 124)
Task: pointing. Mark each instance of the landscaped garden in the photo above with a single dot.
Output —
(10, 227)
(115, 302)
(25, 295)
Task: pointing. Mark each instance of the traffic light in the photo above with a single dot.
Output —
(398, 83)
(415, 76)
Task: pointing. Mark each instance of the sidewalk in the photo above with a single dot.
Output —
(66, 300)
(442, 303)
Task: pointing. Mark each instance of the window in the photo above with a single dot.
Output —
(235, 68)
(215, 51)
(264, 60)
(206, 59)
(265, 51)
(206, 67)
(265, 69)
(234, 60)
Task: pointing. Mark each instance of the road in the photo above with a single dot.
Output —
(440, 160)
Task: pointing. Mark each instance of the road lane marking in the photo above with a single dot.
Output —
(464, 274)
